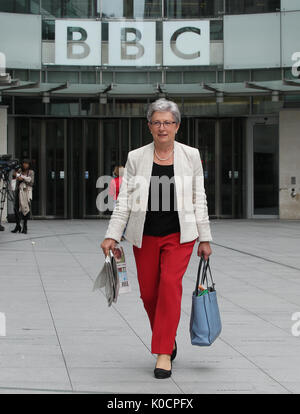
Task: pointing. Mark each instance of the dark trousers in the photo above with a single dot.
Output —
(18, 214)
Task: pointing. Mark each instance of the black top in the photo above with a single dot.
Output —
(162, 219)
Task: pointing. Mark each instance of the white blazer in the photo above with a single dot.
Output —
(132, 201)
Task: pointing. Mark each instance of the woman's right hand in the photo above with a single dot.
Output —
(107, 245)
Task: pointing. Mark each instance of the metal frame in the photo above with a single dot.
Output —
(251, 122)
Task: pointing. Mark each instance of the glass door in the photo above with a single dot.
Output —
(266, 170)
(55, 168)
(91, 166)
(231, 167)
(206, 133)
(221, 146)
(75, 188)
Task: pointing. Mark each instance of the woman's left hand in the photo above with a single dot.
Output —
(204, 250)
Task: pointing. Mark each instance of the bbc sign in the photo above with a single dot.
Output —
(185, 43)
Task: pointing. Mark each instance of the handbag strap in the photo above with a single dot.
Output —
(204, 274)
(206, 277)
(198, 275)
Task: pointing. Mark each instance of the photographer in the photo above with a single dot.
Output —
(23, 195)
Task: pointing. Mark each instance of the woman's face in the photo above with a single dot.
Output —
(25, 166)
(163, 133)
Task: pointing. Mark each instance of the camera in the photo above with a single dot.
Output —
(8, 164)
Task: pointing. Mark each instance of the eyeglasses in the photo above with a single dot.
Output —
(166, 124)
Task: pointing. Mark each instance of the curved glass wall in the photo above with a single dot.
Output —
(252, 6)
(131, 9)
(191, 9)
(138, 9)
(69, 8)
(20, 6)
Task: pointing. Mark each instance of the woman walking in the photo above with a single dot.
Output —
(163, 224)
(23, 195)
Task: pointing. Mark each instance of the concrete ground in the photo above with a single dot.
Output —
(62, 337)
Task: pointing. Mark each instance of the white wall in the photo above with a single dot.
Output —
(20, 40)
(289, 163)
(3, 141)
(252, 41)
(290, 5)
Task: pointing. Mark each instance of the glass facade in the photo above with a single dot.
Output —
(139, 9)
(136, 107)
(20, 6)
(252, 6)
(148, 9)
(73, 140)
(69, 8)
(190, 9)
(266, 173)
(69, 154)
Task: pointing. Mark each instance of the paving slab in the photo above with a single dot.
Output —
(63, 338)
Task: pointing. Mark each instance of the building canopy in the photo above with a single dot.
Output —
(67, 89)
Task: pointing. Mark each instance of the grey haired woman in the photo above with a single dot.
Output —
(163, 238)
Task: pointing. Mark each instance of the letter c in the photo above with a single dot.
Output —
(174, 47)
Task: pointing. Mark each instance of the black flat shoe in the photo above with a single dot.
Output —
(16, 229)
(174, 353)
(161, 373)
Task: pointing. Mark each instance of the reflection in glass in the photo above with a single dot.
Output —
(48, 29)
(131, 8)
(20, 6)
(147, 8)
(234, 106)
(111, 9)
(203, 107)
(251, 6)
(216, 30)
(192, 8)
(130, 107)
(70, 8)
(66, 107)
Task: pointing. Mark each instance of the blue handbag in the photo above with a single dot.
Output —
(205, 321)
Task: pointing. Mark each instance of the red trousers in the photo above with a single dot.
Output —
(161, 263)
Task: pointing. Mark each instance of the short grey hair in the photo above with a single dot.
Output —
(163, 105)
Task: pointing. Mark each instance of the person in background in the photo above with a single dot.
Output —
(114, 187)
(115, 184)
(23, 195)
